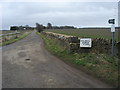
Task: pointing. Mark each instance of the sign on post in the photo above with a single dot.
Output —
(112, 22)
(112, 28)
(85, 42)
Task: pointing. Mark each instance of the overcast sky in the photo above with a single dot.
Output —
(79, 14)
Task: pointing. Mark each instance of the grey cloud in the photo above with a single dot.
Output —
(67, 13)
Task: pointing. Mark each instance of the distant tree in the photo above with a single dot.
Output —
(67, 27)
(44, 27)
(49, 26)
(39, 27)
(55, 27)
(14, 28)
(21, 28)
(27, 27)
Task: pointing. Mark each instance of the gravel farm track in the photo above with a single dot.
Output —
(27, 64)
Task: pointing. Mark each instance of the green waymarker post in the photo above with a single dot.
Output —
(112, 22)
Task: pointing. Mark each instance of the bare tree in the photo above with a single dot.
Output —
(39, 27)
(49, 26)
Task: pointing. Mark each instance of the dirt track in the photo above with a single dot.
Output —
(43, 70)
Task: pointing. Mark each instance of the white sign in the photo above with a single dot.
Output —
(85, 42)
(112, 28)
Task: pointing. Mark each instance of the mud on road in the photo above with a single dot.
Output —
(26, 64)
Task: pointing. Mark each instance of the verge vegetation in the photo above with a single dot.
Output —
(102, 66)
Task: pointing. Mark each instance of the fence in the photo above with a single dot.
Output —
(9, 36)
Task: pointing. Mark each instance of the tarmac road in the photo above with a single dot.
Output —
(26, 64)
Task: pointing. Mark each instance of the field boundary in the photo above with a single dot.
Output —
(14, 39)
(72, 43)
(104, 33)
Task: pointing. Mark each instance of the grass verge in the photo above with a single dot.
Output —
(14, 40)
(101, 66)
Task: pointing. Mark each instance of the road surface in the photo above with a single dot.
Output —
(26, 64)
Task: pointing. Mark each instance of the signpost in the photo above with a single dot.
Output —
(85, 42)
(112, 22)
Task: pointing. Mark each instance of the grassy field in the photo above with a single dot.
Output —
(99, 65)
(90, 33)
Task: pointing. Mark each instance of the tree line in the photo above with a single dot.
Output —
(27, 27)
(40, 27)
